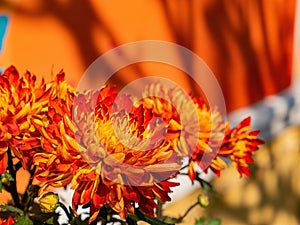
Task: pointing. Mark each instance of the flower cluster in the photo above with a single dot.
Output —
(118, 153)
(102, 169)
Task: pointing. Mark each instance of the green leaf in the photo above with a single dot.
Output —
(50, 220)
(7, 176)
(213, 221)
(82, 222)
(23, 220)
(171, 220)
(132, 219)
(210, 221)
(200, 221)
(11, 208)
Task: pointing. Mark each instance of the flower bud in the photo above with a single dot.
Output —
(49, 202)
(203, 200)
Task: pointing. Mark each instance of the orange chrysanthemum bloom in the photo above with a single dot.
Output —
(9, 221)
(237, 148)
(239, 145)
(22, 102)
(101, 163)
(211, 135)
(215, 140)
(57, 115)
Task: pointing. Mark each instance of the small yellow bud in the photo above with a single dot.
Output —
(49, 202)
(203, 200)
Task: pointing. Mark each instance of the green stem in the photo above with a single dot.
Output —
(182, 168)
(148, 219)
(27, 199)
(66, 211)
(18, 166)
(180, 219)
(159, 209)
(13, 184)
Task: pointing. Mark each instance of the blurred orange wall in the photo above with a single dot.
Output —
(247, 43)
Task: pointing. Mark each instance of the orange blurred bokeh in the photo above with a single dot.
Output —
(247, 44)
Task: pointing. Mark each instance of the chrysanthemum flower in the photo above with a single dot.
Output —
(211, 135)
(101, 163)
(237, 148)
(217, 145)
(22, 102)
(239, 145)
(57, 115)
